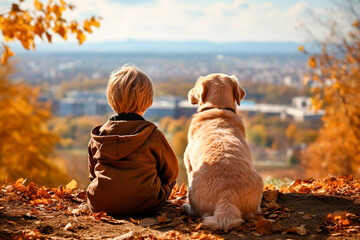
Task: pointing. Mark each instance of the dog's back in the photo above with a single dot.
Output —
(224, 187)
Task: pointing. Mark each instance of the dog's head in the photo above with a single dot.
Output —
(219, 89)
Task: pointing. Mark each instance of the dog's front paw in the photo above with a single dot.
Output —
(187, 209)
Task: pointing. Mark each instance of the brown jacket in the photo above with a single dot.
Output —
(131, 166)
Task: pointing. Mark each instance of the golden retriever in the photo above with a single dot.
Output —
(224, 187)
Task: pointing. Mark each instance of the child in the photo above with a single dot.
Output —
(132, 168)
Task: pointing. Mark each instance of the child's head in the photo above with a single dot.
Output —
(129, 90)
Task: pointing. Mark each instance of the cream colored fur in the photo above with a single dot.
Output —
(224, 187)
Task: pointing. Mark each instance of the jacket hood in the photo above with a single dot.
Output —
(117, 139)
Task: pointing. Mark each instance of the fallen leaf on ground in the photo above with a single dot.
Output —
(263, 226)
(271, 196)
(162, 218)
(299, 230)
(198, 227)
(134, 221)
(71, 185)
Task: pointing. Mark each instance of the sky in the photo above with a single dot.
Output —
(201, 20)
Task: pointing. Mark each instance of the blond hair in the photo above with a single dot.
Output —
(129, 90)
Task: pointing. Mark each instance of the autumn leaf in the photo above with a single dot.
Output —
(161, 218)
(134, 221)
(270, 196)
(94, 22)
(87, 26)
(301, 230)
(71, 185)
(81, 37)
(197, 228)
(73, 27)
(263, 226)
(38, 5)
(312, 62)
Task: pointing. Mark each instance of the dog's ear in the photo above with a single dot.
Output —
(192, 97)
(198, 93)
(239, 92)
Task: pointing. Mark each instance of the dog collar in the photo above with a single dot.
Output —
(209, 108)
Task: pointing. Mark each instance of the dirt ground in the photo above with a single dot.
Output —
(44, 213)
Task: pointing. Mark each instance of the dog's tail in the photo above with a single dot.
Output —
(226, 216)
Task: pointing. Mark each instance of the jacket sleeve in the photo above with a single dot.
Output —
(167, 166)
(91, 162)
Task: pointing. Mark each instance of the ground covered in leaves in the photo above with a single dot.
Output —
(306, 209)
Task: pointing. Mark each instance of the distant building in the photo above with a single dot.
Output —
(161, 108)
(301, 102)
(169, 106)
(300, 110)
(83, 103)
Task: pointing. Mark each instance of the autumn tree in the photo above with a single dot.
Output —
(26, 143)
(336, 89)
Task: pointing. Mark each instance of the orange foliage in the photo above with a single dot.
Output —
(336, 89)
(25, 139)
(343, 186)
(341, 221)
(179, 142)
(44, 20)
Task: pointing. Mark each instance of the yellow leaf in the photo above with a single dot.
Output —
(38, 5)
(61, 30)
(56, 9)
(73, 26)
(39, 29)
(71, 185)
(312, 62)
(301, 48)
(356, 23)
(94, 22)
(81, 37)
(87, 26)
